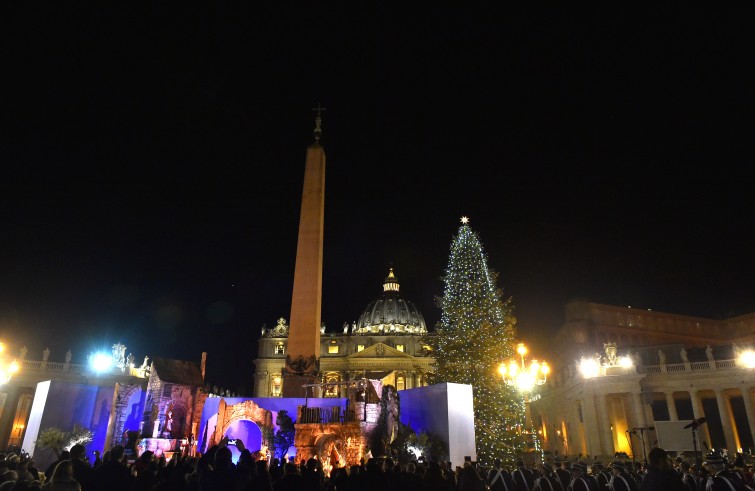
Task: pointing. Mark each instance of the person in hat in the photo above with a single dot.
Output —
(579, 480)
(522, 478)
(601, 474)
(499, 478)
(620, 479)
(563, 475)
(689, 476)
(548, 480)
(660, 475)
(721, 478)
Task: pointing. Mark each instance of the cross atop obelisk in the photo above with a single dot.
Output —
(318, 121)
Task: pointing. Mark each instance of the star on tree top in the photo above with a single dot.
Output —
(465, 220)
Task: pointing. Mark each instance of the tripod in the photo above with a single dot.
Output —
(693, 427)
(631, 447)
(641, 436)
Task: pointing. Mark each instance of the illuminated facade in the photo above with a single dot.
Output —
(682, 368)
(386, 343)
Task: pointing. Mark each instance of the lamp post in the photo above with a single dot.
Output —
(7, 366)
(516, 373)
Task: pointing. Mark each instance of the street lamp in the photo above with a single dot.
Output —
(523, 377)
(7, 366)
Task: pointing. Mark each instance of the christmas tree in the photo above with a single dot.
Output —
(475, 335)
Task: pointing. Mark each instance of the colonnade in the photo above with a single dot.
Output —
(614, 412)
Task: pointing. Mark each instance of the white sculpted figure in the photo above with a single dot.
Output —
(661, 357)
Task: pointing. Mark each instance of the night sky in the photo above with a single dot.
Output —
(153, 162)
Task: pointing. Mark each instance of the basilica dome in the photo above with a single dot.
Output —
(390, 314)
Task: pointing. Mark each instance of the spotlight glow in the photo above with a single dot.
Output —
(747, 358)
(589, 367)
(101, 362)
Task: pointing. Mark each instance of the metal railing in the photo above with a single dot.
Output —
(689, 367)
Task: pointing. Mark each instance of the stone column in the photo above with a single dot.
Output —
(723, 411)
(590, 423)
(697, 413)
(604, 429)
(641, 422)
(673, 416)
(747, 398)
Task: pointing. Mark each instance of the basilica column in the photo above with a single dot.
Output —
(604, 429)
(641, 422)
(673, 416)
(723, 411)
(747, 398)
(697, 413)
(590, 423)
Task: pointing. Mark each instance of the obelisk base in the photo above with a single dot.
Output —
(295, 385)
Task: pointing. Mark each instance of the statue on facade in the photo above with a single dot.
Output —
(69, 355)
(684, 355)
(611, 358)
(45, 354)
(709, 353)
(130, 359)
(22, 354)
(119, 355)
(661, 357)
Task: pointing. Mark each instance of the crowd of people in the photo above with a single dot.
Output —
(216, 471)
(660, 473)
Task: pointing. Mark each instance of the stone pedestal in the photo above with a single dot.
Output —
(294, 385)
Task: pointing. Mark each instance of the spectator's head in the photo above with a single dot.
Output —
(63, 470)
(10, 475)
(223, 458)
(246, 459)
(714, 463)
(147, 456)
(578, 468)
(658, 458)
(497, 463)
(78, 452)
(117, 453)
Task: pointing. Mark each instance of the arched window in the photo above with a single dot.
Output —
(400, 382)
(276, 386)
(280, 348)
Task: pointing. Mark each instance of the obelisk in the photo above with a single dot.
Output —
(303, 350)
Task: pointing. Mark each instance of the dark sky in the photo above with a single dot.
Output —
(153, 162)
